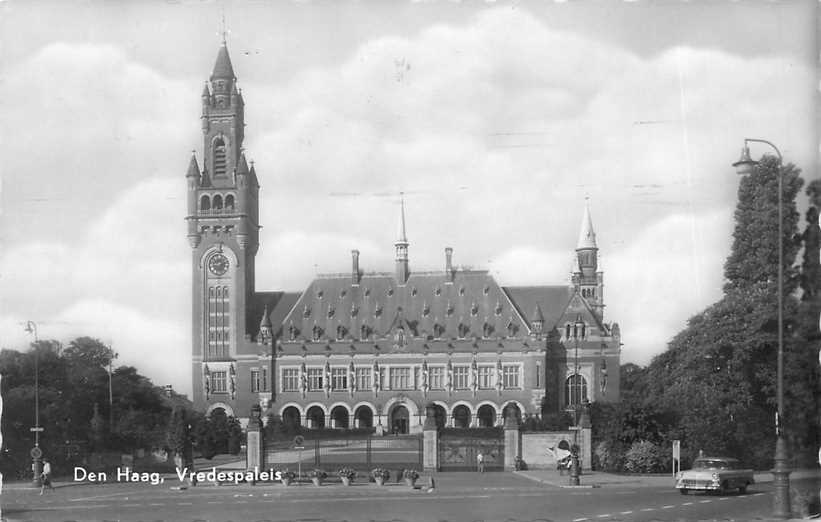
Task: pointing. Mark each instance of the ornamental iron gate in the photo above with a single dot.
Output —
(362, 453)
(458, 453)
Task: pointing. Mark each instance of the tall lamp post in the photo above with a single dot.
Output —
(111, 356)
(36, 452)
(781, 471)
(576, 392)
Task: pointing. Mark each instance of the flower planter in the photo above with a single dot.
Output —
(346, 481)
(410, 482)
(380, 481)
(286, 481)
(317, 481)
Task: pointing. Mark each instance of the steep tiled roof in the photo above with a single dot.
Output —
(278, 303)
(472, 306)
(551, 300)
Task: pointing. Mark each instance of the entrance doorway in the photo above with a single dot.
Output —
(399, 420)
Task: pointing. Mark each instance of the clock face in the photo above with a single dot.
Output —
(218, 264)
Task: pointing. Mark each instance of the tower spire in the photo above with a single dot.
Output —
(587, 236)
(402, 270)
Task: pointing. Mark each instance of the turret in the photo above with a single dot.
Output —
(587, 280)
(192, 178)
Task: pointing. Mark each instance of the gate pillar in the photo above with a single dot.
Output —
(513, 441)
(430, 440)
(254, 455)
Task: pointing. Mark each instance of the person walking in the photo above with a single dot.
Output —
(480, 462)
(45, 476)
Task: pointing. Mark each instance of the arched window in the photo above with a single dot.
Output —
(575, 390)
(217, 202)
(229, 202)
(567, 331)
(219, 157)
(205, 203)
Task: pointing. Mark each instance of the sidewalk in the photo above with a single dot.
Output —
(598, 479)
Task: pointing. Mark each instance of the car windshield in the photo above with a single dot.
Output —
(712, 464)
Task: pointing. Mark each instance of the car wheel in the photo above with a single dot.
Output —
(683, 491)
(742, 489)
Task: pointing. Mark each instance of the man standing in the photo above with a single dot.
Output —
(480, 462)
(46, 476)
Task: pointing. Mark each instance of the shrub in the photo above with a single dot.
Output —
(646, 457)
(318, 473)
(381, 473)
(290, 475)
(348, 473)
(609, 456)
(410, 474)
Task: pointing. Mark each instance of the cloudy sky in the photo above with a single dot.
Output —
(496, 119)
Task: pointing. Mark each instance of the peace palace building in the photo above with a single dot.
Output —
(365, 349)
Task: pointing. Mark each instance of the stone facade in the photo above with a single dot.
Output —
(373, 349)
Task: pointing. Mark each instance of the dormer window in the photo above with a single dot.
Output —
(567, 331)
(342, 294)
(537, 327)
(474, 309)
(426, 310)
(363, 332)
(390, 292)
(306, 312)
(317, 333)
(340, 332)
(331, 311)
(367, 292)
(413, 292)
(450, 309)
(498, 310)
(319, 294)
(378, 310)
(462, 290)
(437, 292)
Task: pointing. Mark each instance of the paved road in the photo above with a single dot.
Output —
(459, 497)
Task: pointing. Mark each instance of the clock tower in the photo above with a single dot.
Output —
(223, 232)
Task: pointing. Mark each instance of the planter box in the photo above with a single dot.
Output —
(317, 481)
(380, 481)
(346, 481)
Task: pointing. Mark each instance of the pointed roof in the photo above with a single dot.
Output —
(403, 238)
(242, 168)
(223, 68)
(205, 91)
(266, 319)
(253, 173)
(193, 168)
(587, 237)
(537, 314)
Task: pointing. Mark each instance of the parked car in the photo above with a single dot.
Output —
(720, 474)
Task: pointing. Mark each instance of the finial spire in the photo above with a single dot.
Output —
(402, 236)
(223, 31)
(587, 237)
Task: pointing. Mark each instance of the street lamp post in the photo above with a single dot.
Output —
(781, 470)
(36, 452)
(577, 389)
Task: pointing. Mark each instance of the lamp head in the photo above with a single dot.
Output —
(745, 164)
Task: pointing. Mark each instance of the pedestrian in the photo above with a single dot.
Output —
(45, 476)
(431, 484)
(480, 462)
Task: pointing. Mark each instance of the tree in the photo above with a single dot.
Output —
(754, 255)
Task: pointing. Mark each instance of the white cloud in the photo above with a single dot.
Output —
(496, 129)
